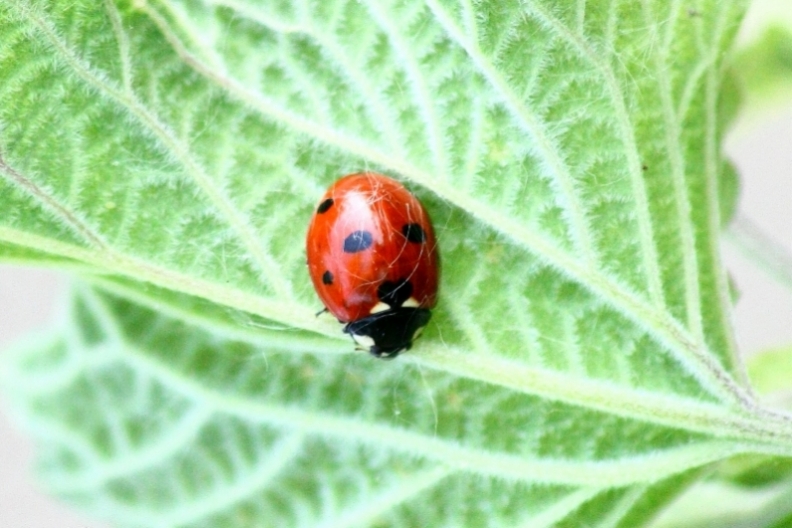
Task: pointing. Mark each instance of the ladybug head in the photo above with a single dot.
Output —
(390, 331)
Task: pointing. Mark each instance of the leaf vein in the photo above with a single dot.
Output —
(181, 152)
(437, 140)
(673, 132)
(532, 125)
(608, 473)
(50, 203)
(373, 507)
(649, 256)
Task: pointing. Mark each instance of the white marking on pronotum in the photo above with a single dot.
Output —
(379, 307)
(363, 340)
(411, 303)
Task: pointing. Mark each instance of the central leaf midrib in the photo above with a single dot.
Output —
(460, 362)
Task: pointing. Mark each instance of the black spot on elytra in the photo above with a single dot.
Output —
(324, 206)
(394, 293)
(358, 241)
(414, 233)
(327, 278)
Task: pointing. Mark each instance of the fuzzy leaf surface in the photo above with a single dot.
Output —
(580, 363)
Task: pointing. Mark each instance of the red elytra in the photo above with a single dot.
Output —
(372, 258)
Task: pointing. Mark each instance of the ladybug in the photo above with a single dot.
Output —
(372, 258)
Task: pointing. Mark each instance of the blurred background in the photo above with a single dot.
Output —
(759, 146)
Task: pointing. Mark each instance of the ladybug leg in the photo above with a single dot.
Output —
(323, 310)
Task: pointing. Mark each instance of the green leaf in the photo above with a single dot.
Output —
(580, 363)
